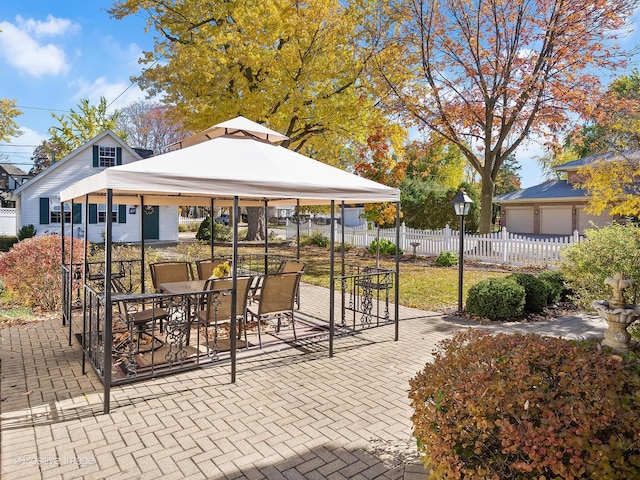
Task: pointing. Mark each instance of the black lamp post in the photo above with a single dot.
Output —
(461, 203)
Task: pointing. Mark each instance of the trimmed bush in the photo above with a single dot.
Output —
(32, 271)
(527, 407)
(536, 291)
(387, 247)
(7, 242)
(446, 259)
(557, 289)
(496, 298)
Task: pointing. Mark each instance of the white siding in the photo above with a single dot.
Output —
(519, 219)
(556, 220)
(71, 169)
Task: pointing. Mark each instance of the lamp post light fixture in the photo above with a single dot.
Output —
(461, 203)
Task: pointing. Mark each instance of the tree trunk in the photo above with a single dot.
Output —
(486, 204)
(255, 223)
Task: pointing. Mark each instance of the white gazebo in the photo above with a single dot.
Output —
(235, 163)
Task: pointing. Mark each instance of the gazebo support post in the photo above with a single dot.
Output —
(342, 267)
(397, 282)
(234, 292)
(107, 339)
(70, 285)
(84, 281)
(298, 227)
(62, 260)
(266, 238)
(142, 249)
(213, 228)
(332, 281)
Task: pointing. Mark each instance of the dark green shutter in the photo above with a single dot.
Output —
(93, 213)
(122, 214)
(96, 156)
(77, 213)
(118, 155)
(44, 211)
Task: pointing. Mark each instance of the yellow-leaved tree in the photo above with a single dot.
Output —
(297, 67)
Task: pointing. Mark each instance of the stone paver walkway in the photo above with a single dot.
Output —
(292, 414)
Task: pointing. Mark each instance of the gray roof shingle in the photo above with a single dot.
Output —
(549, 190)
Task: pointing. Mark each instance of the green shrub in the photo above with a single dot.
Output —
(31, 271)
(447, 259)
(527, 407)
(220, 232)
(26, 231)
(387, 247)
(605, 251)
(316, 238)
(496, 298)
(7, 242)
(557, 289)
(536, 291)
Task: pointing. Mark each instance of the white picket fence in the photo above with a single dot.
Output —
(501, 247)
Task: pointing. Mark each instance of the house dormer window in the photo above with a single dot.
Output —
(107, 156)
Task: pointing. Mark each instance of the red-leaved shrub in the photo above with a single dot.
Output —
(527, 406)
(32, 271)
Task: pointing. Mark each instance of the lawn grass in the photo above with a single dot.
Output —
(422, 284)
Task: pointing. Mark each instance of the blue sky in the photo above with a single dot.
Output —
(55, 53)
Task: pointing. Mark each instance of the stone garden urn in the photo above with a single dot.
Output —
(617, 314)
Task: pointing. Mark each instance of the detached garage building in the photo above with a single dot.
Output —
(555, 207)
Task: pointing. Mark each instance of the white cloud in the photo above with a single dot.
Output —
(120, 93)
(52, 27)
(20, 48)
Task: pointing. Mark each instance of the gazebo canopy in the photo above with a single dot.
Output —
(233, 158)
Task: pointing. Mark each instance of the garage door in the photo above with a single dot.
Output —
(555, 221)
(519, 219)
(585, 219)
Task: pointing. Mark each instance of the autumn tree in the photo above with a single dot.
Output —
(295, 66)
(78, 127)
(44, 155)
(486, 75)
(8, 126)
(147, 125)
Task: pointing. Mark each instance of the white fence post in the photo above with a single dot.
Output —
(504, 237)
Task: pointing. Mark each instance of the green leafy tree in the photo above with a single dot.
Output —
(44, 155)
(8, 126)
(78, 127)
(486, 75)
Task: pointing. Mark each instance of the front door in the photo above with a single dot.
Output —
(151, 222)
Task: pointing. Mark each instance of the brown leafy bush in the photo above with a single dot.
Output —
(32, 271)
(526, 406)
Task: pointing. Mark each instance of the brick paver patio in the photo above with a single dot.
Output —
(294, 413)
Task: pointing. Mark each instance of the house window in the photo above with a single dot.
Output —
(55, 216)
(102, 213)
(106, 156)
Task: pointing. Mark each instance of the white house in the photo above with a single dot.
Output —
(38, 200)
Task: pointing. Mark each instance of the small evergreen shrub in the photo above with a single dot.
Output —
(26, 231)
(221, 232)
(557, 290)
(316, 238)
(387, 247)
(446, 259)
(536, 291)
(32, 271)
(7, 242)
(496, 299)
(527, 407)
